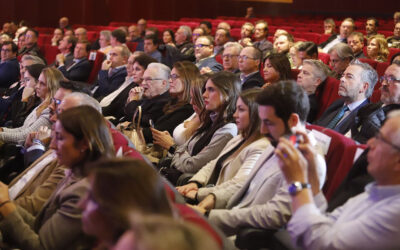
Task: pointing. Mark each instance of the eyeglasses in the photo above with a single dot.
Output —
(5, 50)
(56, 101)
(173, 77)
(245, 58)
(229, 56)
(201, 45)
(151, 79)
(389, 79)
(380, 137)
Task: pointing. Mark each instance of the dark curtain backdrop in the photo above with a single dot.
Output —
(101, 12)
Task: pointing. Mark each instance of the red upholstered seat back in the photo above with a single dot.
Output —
(343, 168)
(338, 146)
(96, 66)
(328, 95)
(324, 57)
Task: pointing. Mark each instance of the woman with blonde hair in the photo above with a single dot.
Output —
(45, 89)
(377, 48)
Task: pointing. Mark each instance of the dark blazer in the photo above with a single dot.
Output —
(345, 125)
(263, 45)
(211, 63)
(116, 107)
(170, 121)
(255, 80)
(34, 51)
(330, 39)
(9, 72)
(107, 84)
(78, 72)
(151, 109)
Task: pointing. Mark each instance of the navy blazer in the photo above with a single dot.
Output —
(78, 72)
(255, 80)
(9, 72)
(345, 125)
(107, 84)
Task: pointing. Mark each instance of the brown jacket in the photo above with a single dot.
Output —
(40, 187)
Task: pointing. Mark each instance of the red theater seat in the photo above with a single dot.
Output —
(325, 58)
(327, 95)
(96, 66)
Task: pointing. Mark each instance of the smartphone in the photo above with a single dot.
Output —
(294, 139)
(151, 123)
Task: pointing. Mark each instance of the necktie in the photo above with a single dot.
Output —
(332, 124)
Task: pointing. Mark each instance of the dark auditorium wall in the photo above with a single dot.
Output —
(101, 12)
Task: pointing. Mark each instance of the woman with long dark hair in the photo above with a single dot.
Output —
(276, 68)
(222, 176)
(220, 95)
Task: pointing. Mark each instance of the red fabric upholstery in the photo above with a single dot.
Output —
(323, 38)
(371, 62)
(132, 46)
(344, 167)
(96, 66)
(381, 68)
(50, 53)
(218, 58)
(328, 95)
(338, 146)
(376, 96)
(325, 58)
(192, 216)
(392, 51)
(294, 73)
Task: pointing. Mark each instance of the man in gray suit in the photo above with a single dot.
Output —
(203, 51)
(264, 201)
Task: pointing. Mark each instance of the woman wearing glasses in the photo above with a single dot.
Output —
(45, 88)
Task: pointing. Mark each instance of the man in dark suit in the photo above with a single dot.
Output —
(9, 66)
(346, 28)
(113, 72)
(205, 60)
(80, 69)
(356, 86)
(249, 64)
(31, 47)
(66, 47)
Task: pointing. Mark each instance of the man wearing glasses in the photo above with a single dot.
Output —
(230, 57)
(371, 117)
(369, 220)
(204, 53)
(249, 65)
(9, 66)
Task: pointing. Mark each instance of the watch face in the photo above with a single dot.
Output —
(295, 187)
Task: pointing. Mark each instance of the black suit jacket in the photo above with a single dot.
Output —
(116, 107)
(9, 72)
(107, 84)
(255, 80)
(345, 125)
(78, 72)
(330, 39)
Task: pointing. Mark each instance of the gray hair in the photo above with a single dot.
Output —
(187, 31)
(321, 70)
(235, 45)
(34, 59)
(82, 99)
(368, 75)
(343, 51)
(106, 34)
(162, 71)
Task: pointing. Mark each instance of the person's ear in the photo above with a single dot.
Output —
(293, 120)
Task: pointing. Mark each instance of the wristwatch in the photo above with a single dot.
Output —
(297, 186)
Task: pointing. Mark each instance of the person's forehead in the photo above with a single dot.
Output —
(267, 112)
(202, 40)
(354, 70)
(260, 26)
(282, 38)
(229, 50)
(393, 70)
(346, 23)
(309, 68)
(247, 51)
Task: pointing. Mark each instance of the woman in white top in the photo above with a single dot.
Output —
(223, 175)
